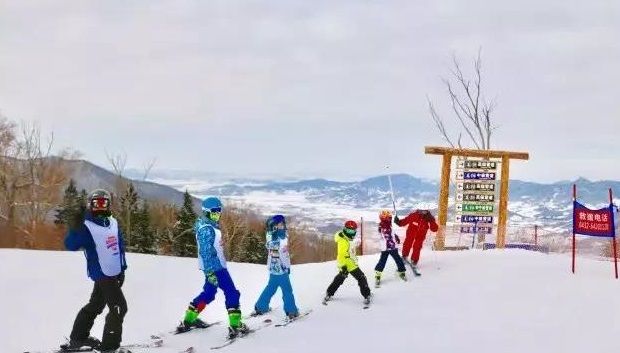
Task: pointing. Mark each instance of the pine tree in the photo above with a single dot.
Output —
(128, 210)
(184, 237)
(143, 234)
(72, 207)
(252, 248)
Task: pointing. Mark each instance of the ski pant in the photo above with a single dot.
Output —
(219, 279)
(395, 255)
(413, 243)
(283, 282)
(342, 275)
(105, 292)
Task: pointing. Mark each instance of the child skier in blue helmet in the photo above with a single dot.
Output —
(212, 262)
(279, 266)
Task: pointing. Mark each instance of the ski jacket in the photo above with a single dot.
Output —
(346, 252)
(387, 237)
(278, 256)
(102, 242)
(210, 245)
(417, 225)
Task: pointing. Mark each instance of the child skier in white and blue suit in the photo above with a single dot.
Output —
(212, 262)
(279, 266)
(97, 233)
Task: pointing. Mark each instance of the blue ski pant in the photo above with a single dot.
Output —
(219, 279)
(383, 259)
(284, 283)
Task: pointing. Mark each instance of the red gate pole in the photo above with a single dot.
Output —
(574, 245)
(362, 235)
(611, 202)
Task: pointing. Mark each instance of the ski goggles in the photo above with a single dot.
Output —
(216, 210)
(350, 232)
(100, 204)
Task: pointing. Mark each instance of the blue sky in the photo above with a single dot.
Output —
(312, 88)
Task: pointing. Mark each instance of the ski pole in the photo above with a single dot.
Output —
(391, 188)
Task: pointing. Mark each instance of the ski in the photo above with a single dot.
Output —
(288, 321)
(414, 268)
(254, 314)
(177, 332)
(155, 343)
(229, 341)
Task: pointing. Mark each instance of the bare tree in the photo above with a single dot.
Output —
(148, 166)
(30, 178)
(472, 111)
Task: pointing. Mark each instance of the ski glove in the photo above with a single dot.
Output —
(211, 278)
(344, 271)
(397, 239)
(396, 219)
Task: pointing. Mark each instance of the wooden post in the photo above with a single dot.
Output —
(503, 203)
(444, 192)
(447, 153)
(536, 234)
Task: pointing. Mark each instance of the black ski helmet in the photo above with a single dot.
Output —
(100, 203)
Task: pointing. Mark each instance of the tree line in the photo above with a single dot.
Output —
(39, 202)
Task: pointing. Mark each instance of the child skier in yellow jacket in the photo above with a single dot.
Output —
(347, 263)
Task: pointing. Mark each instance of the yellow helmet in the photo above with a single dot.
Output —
(385, 215)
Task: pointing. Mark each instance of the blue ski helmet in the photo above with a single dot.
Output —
(273, 220)
(211, 204)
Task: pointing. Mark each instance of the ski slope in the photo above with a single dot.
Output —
(493, 301)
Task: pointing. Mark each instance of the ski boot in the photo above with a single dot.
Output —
(191, 320)
(292, 316)
(75, 345)
(326, 299)
(367, 300)
(236, 327)
(403, 275)
(257, 312)
(377, 279)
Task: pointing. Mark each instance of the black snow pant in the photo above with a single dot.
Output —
(395, 255)
(342, 275)
(105, 292)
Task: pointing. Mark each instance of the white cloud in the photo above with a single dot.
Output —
(332, 87)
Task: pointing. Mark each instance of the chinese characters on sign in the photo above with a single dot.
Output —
(598, 223)
(476, 194)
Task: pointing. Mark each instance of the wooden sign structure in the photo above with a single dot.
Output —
(444, 191)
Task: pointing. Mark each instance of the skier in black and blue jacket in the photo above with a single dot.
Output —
(101, 239)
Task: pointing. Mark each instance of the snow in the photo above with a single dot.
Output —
(470, 301)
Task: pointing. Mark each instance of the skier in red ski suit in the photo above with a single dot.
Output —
(418, 222)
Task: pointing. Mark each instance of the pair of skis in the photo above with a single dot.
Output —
(414, 268)
(265, 323)
(156, 342)
(366, 302)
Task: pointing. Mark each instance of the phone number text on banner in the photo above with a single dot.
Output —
(597, 223)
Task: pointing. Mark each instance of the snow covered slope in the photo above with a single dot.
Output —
(493, 301)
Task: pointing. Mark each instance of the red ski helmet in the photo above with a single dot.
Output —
(350, 228)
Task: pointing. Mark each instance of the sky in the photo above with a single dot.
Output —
(334, 89)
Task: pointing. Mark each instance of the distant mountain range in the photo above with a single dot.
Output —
(89, 176)
(530, 202)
